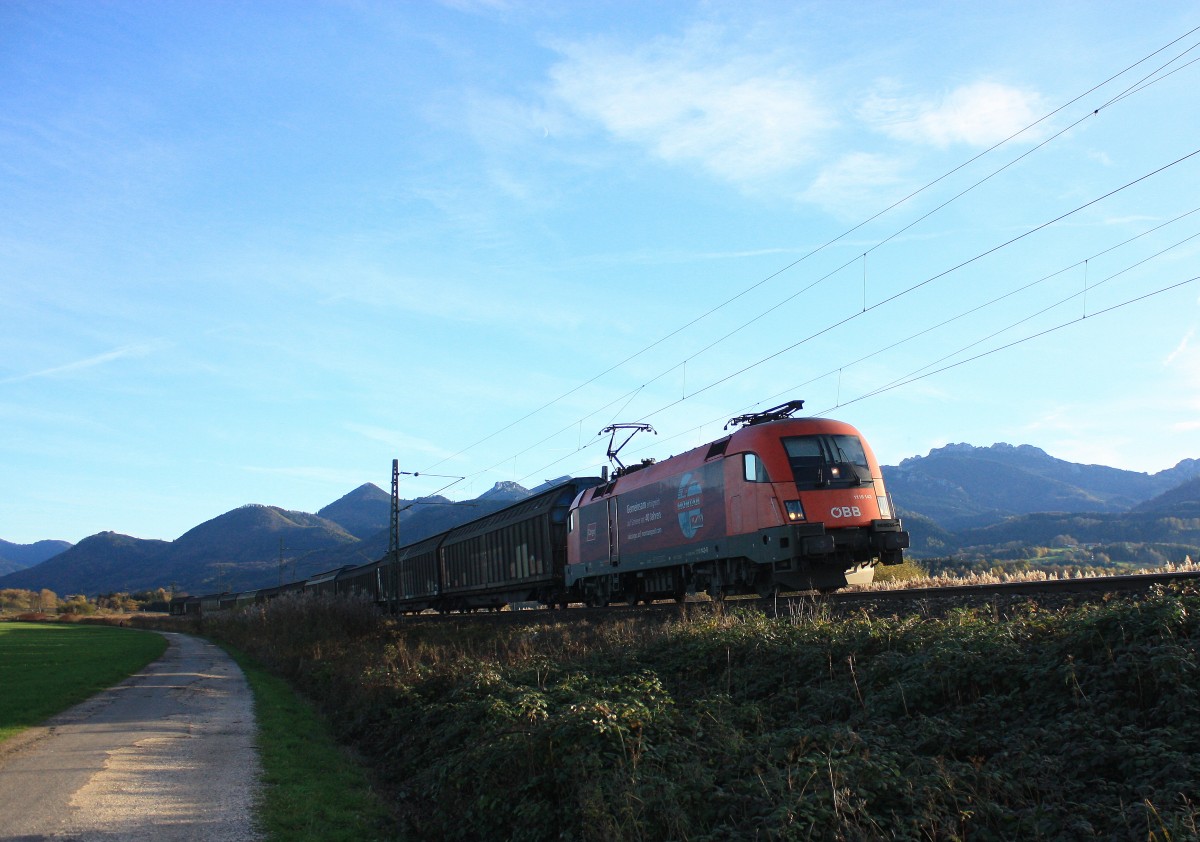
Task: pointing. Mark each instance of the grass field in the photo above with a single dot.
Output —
(46, 668)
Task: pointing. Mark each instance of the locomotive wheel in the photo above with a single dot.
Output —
(639, 595)
(768, 587)
(599, 594)
(680, 589)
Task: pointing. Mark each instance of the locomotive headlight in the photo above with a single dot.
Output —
(795, 511)
(885, 511)
(835, 472)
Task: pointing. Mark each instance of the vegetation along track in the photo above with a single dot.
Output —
(1048, 714)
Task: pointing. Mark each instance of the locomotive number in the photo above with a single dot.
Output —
(846, 511)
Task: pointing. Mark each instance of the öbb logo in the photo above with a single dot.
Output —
(845, 511)
(689, 502)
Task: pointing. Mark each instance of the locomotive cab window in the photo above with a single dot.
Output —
(753, 468)
(825, 461)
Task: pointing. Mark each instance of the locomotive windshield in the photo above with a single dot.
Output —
(827, 461)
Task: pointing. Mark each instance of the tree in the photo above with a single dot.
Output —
(76, 604)
(14, 600)
(120, 602)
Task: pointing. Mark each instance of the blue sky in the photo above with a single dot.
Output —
(252, 252)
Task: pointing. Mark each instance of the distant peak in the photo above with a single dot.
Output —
(368, 488)
(957, 447)
(506, 488)
(998, 447)
(367, 491)
(1029, 450)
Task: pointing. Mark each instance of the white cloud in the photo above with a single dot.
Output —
(1183, 363)
(504, 123)
(1058, 419)
(1180, 349)
(979, 114)
(480, 302)
(693, 100)
(477, 6)
(328, 476)
(137, 350)
(854, 183)
(399, 441)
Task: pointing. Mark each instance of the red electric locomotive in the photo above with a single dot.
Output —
(780, 504)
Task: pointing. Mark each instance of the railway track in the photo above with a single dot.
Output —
(928, 601)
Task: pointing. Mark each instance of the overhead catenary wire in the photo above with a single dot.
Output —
(1021, 321)
(628, 397)
(926, 282)
(1141, 84)
(917, 286)
(1024, 339)
(1128, 92)
(921, 372)
(1154, 76)
(1009, 294)
(1004, 296)
(920, 376)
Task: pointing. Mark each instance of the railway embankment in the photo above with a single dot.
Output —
(1018, 718)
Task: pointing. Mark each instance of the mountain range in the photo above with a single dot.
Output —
(958, 496)
(963, 498)
(19, 556)
(960, 486)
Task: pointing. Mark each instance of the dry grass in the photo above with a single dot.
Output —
(944, 580)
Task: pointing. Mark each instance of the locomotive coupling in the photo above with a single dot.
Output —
(883, 539)
(887, 536)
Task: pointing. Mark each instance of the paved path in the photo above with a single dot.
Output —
(166, 755)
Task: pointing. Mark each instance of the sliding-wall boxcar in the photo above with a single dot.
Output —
(517, 554)
(326, 582)
(514, 555)
(414, 581)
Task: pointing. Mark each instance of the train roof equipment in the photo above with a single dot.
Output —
(634, 429)
(775, 413)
